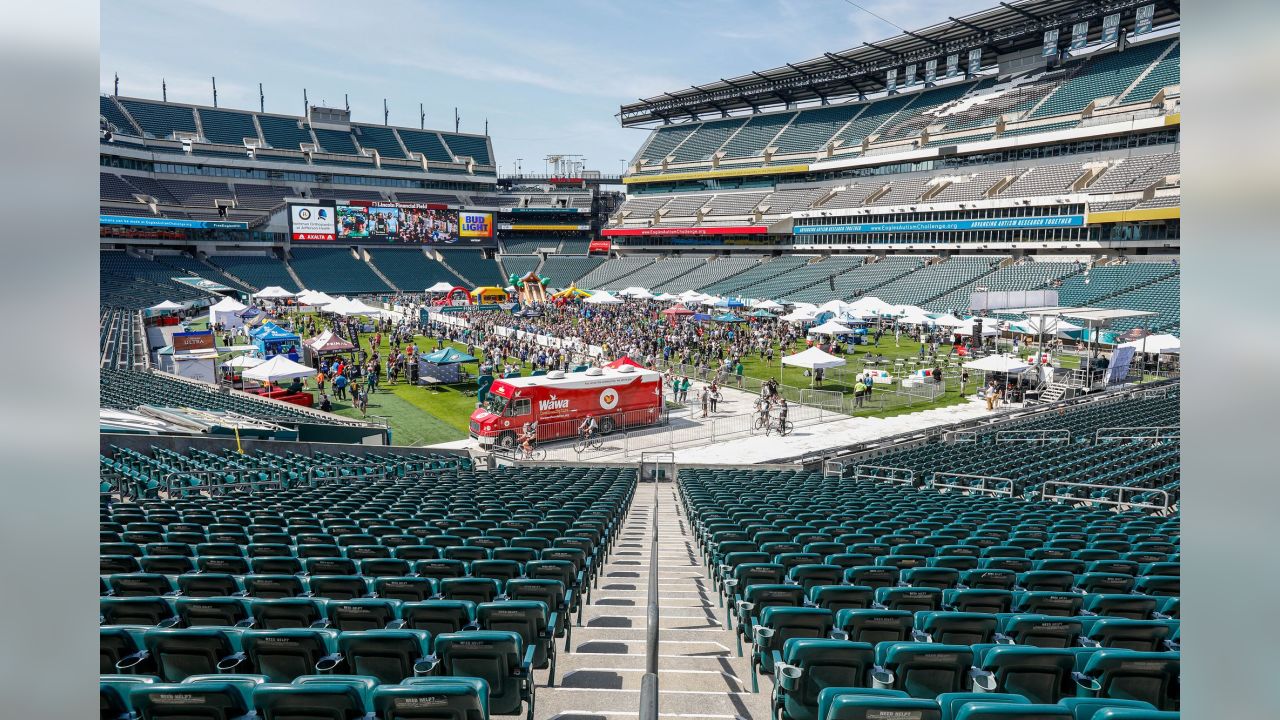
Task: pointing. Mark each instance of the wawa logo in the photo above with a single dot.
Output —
(609, 399)
(552, 403)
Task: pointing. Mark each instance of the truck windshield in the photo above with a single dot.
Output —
(495, 404)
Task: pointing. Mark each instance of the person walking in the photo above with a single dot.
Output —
(340, 386)
(859, 391)
(714, 397)
(964, 381)
(684, 389)
(737, 370)
(705, 396)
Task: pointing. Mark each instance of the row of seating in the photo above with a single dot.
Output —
(498, 658)
(336, 697)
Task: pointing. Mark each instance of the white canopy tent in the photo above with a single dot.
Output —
(997, 363)
(1155, 344)
(830, 327)
(602, 298)
(314, 297)
(833, 306)
(440, 287)
(813, 359)
(243, 361)
(273, 292)
(167, 306)
(636, 293)
(1044, 325)
(950, 321)
(278, 368)
(870, 304)
(799, 315)
(227, 311)
(767, 305)
(691, 296)
(666, 297)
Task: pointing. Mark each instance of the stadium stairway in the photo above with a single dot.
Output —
(699, 671)
(289, 269)
(368, 260)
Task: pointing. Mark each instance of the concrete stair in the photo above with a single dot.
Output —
(700, 673)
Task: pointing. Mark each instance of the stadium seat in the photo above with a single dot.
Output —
(212, 611)
(955, 628)
(1132, 675)
(842, 703)
(531, 620)
(924, 670)
(498, 658)
(875, 626)
(179, 653)
(1143, 635)
(1086, 708)
(805, 666)
(151, 611)
(1042, 675)
(183, 701)
(951, 703)
(282, 655)
(313, 700)
(388, 655)
(1045, 631)
(439, 616)
(114, 692)
(430, 698)
(363, 614)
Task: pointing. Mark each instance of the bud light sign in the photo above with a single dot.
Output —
(475, 225)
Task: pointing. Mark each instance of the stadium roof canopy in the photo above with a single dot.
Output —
(1006, 28)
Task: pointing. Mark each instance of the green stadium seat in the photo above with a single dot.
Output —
(531, 620)
(312, 701)
(924, 670)
(114, 693)
(282, 655)
(875, 625)
(1042, 675)
(806, 666)
(388, 655)
(432, 698)
(151, 611)
(1086, 708)
(873, 704)
(212, 611)
(184, 701)
(955, 628)
(179, 653)
(499, 658)
(952, 703)
(1131, 675)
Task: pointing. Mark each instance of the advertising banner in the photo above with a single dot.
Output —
(1110, 28)
(891, 80)
(599, 247)
(953, 64)
(930, 70)
(1079, 35)
(192, 341)
(542, 228)
(475, 225)
(158, 222)
(1019, 223)
(687, 231)
(543, 210)
(312, 222)
(910, 75)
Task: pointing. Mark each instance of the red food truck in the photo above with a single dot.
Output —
(619, 398)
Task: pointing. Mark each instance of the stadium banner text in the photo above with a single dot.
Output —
(686, 231)
(543, 210)
(541, 228)
(1045, 221)
(132, 221)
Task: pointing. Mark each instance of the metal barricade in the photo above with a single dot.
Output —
(903, 476)
(1036, 436)
(1152, 434)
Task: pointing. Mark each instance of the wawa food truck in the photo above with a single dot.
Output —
(619, 398)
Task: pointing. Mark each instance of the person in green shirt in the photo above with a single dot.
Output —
(737, 370)
(859, 390)
(684, 389)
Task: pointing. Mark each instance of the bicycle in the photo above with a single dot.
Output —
(783, 427)
(760, 423)
(535, 453)
(594, 442)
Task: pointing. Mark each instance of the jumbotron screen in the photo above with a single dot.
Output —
(395, 223)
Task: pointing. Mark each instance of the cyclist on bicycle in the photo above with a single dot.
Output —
(762, 407)
(588, 427)
(782, 413)
(528, 437)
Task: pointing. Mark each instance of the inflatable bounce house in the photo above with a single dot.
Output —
(531, 288)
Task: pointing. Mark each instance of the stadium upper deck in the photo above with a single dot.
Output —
(1079, 126)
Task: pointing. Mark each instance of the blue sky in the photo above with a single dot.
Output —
(549, 76)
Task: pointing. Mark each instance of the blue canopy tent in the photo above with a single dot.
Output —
(273, 340)
(699, 317)
(442, 366)
(731, 303)
(729, 318)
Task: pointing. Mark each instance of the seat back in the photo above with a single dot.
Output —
(433, 698)
(875, 626)
(282, 655)
(388, 655)
(926, 670)
(313, 701)
(492, 656)
(526, 618)
(819, 663)
(438, 616)
(1042, 675)
(188, 701)
(1132, 675)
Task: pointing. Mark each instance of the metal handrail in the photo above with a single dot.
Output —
(910, 478)
(168, 482)
(649, 682)
(1152, 433)
(1036, 436)
(1119, 489)
(984, 488)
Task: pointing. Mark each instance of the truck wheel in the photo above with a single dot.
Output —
(606, 426)
(507, 440)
